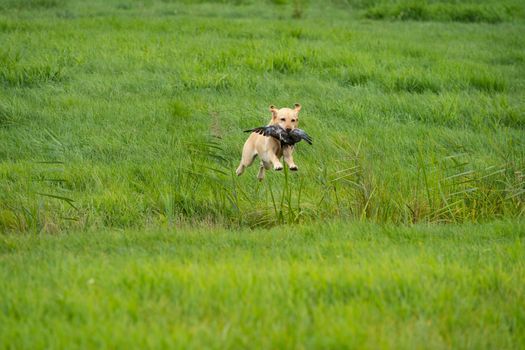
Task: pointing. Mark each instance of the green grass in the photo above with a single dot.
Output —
(316, 286)
(122, 223)
(130, 114)
(456, 11)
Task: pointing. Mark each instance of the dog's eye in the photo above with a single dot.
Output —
(282, 119)
(293, 120)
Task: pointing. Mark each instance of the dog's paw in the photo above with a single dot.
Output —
(278, 168)
(294, 168)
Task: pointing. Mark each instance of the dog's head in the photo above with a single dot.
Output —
(286, 118)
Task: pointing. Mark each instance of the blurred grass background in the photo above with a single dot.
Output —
(322, 285)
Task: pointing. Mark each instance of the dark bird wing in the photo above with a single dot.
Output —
(274, 131)
(297, 135)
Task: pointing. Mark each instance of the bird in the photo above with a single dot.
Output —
(288, 138)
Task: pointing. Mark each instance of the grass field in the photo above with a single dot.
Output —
(122, 223)
(130, 114)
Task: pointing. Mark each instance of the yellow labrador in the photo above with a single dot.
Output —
(269, 149)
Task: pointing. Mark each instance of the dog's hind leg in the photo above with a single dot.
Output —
(262, 170)
(247, 159)
(260, 175)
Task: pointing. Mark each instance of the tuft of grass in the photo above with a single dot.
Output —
(17, 75)
(415, 84)
(179, 110)
(440, 11)
(487, 83)
(299, 7)
(286, 63)
(354, 78)
(213, 82)
(31, 4)
(7, 116)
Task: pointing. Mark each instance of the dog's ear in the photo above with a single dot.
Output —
(297, 107)
(273, 109)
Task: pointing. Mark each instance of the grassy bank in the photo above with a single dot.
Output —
(324, 286)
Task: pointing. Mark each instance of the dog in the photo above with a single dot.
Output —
(269, 149)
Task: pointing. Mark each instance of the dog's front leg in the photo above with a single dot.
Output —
(248, 155)
(277, 165)
(288, 158)
(271, 154)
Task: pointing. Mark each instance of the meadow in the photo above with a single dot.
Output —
(130, 114)
(121, 216)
